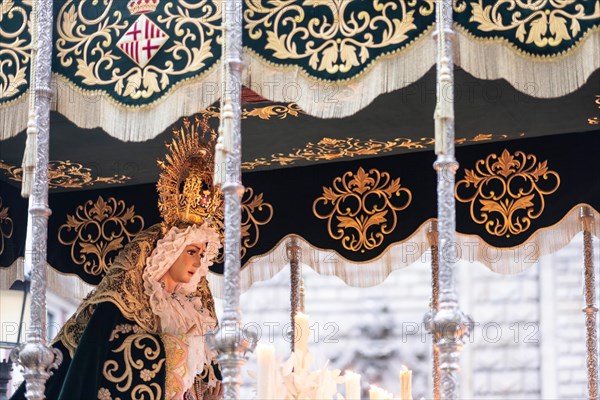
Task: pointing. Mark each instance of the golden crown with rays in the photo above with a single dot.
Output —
(187, 194)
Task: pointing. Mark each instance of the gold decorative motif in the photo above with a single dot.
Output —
(541, 25)
(87, 41)
(122, 286)
(149, 346)
(279, 111)
(330, 39)
(328, 149)
(6, 226)
(14, 48)
(176, 358)
(142, 6)
(66, 174)
(363, 207)
(595, 120)
(104, 394)
(255, 213)
(98, 231)
(185, 187)
(510, 188)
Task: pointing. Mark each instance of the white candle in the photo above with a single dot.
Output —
(352, 385)
(265, 385)
(301, 333)
(376, 393)
(405, 384)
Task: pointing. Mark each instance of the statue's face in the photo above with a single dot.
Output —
(187, 264)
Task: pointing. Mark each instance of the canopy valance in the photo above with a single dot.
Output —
(356, 204)
(135, 68)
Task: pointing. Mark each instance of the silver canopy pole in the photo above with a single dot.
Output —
(449, 325)
(35, 356)
(230, 341)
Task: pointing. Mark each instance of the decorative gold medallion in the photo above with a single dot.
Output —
(66, 175)
(6, 226)
(506, 193)
(98, 231)
(86, 39)
(255, 213)
(361, 209)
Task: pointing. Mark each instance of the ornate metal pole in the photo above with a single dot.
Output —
(5, 376)
(230, 341)
(294, 254)
(35, 356)
(434, 306)
(449, 325)
(590, 309)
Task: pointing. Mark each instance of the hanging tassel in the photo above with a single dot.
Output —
(224, 143)
(446, 93)
(439, 130)
(228, 127)
(444, 110)
(220, 158)
(29, 157)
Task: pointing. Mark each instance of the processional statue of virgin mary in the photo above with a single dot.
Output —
(140, 333)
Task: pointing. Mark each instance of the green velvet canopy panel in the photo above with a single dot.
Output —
(112, 59)
(302, 173)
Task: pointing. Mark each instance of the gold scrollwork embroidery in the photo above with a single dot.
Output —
(542, 25)
(86, 41)
(334, 40)
(66, 174)
(509, 187)
(149, 346)
(6, 226)
(255, 213)
(15, 53)
(98, 231)
(363, 207)
(595, 120)
(330, 149)
(280, 111)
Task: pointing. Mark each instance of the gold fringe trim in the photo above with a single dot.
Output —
(471, 248)
(329, 262)
(544, 241)
(337, 99)
(16, 272)
(14, 118)
(66, 285)
(365, 274)
(540, 77)
(91, 110)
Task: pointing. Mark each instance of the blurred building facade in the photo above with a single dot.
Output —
(528, 341)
